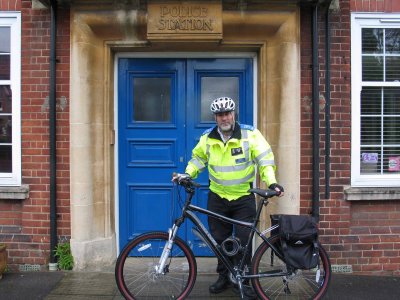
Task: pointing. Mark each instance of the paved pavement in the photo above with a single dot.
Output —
(73, 285)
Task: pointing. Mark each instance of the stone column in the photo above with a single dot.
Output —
(93, 242)
(283, 107)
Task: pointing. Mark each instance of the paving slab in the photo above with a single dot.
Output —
(74, 285)
(28, 285)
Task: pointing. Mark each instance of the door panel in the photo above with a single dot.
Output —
(163, 108)
(208, 79)
(151, 92)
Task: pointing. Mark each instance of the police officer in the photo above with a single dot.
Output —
(231, 151)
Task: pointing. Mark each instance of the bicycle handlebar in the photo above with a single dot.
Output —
(185, 181)
(188, 182)
(264, 193)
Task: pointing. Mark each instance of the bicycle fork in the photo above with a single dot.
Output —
(160, 267)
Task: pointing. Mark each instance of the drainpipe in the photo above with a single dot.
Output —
(327, 101)
(315, 106)
(52, 130)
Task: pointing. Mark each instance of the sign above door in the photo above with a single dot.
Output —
(177, 20)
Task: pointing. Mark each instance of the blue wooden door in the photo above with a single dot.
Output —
(163, 108)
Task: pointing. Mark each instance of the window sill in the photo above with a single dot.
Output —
(371, 193)
(14, 192)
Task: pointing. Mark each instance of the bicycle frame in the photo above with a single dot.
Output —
(200, 230)
(172, 272)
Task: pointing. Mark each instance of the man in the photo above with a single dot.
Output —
(231, 151)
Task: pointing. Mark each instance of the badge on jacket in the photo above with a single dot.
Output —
(236, 151)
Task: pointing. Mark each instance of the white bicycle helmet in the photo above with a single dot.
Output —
(222, 104)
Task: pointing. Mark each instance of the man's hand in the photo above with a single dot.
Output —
(278, 188)
(178, 177)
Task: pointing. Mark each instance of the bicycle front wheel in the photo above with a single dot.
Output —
(136, 269)
(299, 284)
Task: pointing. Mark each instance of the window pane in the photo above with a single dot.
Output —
(372, 40)
(5, 99)
(391, 101)
(371, 130)
(5, 35)
(372, 68)
(392, 40)
(392, 68)
(370, 160)
(5, 129)
(391, 160)
(391, 130)
(371, 101)
(152, 99)
(5, 48)
(214, 87)
(5, 159)
(4, 67)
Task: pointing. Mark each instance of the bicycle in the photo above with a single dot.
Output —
(162, 265)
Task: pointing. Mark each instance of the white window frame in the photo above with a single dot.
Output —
(13, 20)
(359, 21)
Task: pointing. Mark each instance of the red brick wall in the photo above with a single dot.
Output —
(363, 234)
(10, 5)
(25, 223)
(388, 6)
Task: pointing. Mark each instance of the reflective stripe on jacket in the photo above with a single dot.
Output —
(231, 166)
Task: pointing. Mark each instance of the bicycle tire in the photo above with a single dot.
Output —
(302, 284)
(135, 269)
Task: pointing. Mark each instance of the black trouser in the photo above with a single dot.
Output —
(243, 209)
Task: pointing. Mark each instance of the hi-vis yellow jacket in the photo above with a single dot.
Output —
(231, 166)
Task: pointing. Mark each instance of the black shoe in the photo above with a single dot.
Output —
(220, 285)
(248, 292)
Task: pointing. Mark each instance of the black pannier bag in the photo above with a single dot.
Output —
(299, 241)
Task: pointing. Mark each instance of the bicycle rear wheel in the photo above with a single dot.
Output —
(135, 270)
(300, 284)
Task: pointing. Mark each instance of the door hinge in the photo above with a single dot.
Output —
(112, 137)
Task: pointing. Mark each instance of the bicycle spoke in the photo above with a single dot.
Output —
(136, 269)
(299, 284)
